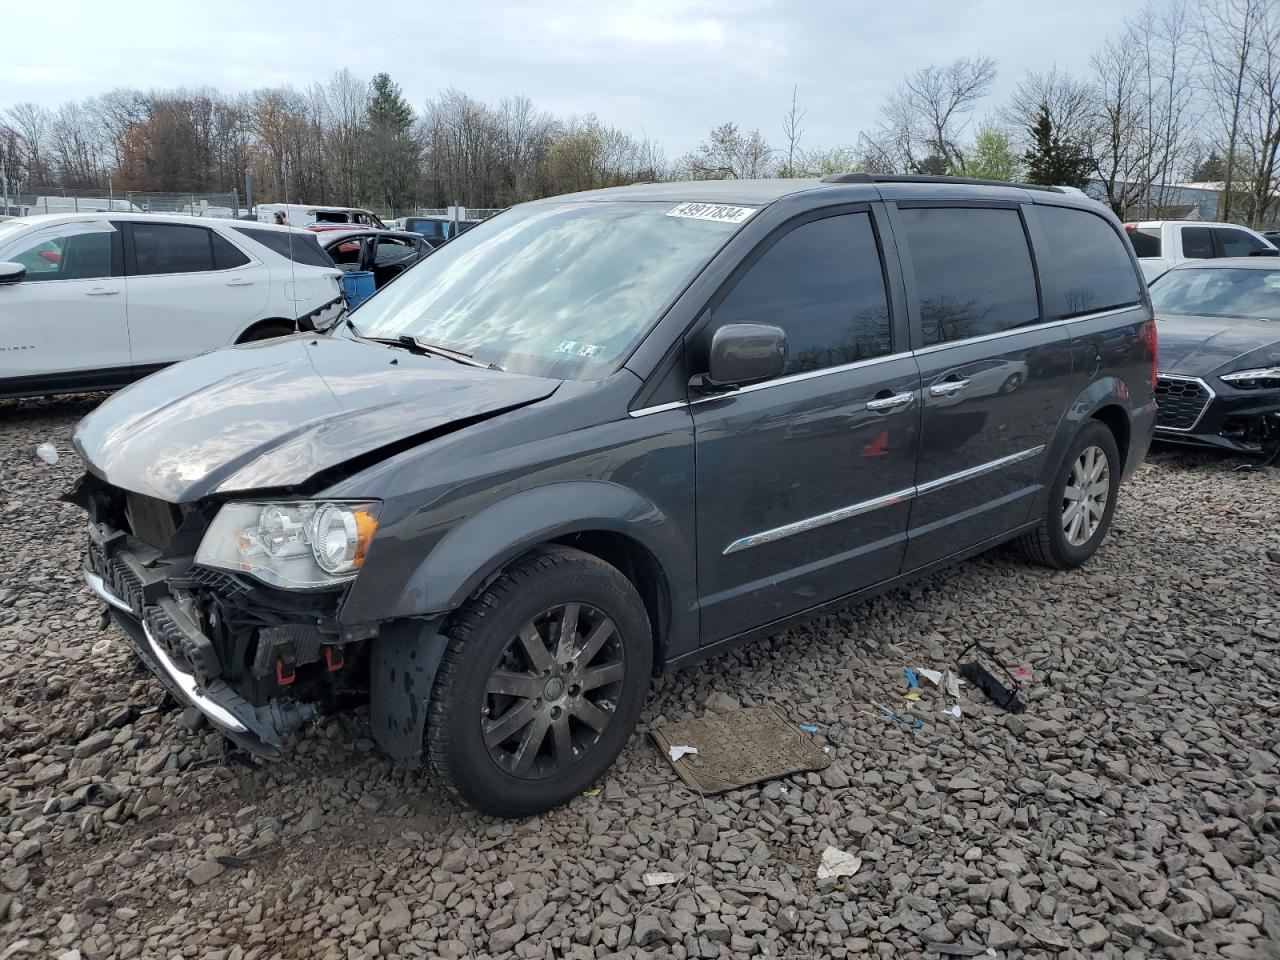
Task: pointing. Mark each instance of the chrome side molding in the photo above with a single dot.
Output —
(888, 500)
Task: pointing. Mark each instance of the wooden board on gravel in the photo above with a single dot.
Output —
(739, 748)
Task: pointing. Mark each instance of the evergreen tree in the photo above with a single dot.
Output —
(1053, 161)
(394, 151)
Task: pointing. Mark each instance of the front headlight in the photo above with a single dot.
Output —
(299, 544)
(1260, 378)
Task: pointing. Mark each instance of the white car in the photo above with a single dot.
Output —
(93, 301)
(305, 214)
(1162, 244)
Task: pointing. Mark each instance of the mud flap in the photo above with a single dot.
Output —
(402, 670)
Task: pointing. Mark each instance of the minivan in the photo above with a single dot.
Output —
(609, 434)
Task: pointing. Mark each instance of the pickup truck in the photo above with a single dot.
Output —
(1162, 244)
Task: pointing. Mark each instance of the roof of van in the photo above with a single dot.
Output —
(762, 192)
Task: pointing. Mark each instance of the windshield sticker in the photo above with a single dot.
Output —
(712, 211)
(576, 348)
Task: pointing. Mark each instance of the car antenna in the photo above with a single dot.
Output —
(293, 264)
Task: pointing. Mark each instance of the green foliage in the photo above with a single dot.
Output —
(1054, 160)
(991, 157)
(388, 109)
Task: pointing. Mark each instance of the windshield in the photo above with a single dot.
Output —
(551, 289)
(1218, 292)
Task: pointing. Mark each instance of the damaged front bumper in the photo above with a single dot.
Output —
(177, 652)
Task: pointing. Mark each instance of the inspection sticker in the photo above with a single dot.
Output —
(712, 211)
(576, 348)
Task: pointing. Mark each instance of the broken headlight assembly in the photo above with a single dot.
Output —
(297, 545)
(1261, 378)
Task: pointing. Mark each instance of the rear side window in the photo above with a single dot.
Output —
(1237, 243)
(1197, 243)
(225, 254)
(393, 250)
(167, 248)
(300, 248)
(1145, 241)
(1086, 267)
(823, 284)
(972, 269)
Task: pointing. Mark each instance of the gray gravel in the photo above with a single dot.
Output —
(1131, 812)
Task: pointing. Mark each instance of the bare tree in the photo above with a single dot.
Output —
(1230, 32)
(730, 154)
(1069, 103)
(792, 131)
(1261, 118)
(923, 121)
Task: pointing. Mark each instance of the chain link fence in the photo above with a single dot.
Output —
(36, 200)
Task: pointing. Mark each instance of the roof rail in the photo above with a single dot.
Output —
(923, 178)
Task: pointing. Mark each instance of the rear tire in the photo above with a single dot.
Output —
(267, 331)
(1081, 502)
(540, 685)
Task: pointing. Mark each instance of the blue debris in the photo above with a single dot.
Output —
(808, 727)
(911, 678)
(914, 725)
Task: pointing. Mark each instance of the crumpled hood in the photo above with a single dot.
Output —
(1200, 346)
(274, 414)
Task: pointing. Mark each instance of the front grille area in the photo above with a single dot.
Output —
(152, 521)
(1180, 402)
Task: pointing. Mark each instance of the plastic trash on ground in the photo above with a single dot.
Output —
(47, 452)
(838, 863)
(675, 753)
(660, 878)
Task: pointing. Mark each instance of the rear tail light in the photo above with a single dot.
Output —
(1152, 341)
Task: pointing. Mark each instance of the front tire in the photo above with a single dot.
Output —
(1081, 502)
(540, 685)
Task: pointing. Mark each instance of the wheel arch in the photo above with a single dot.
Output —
(247, 334)
(605, 519)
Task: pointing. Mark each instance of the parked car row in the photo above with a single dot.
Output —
(93, 301)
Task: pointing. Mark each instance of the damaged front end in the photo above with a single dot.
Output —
(258, 662)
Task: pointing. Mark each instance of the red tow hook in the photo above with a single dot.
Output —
(284, 672)
(334, 658)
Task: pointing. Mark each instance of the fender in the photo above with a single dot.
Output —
(1105, 391)
(478, 547)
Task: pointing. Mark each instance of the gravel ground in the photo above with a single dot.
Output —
(1131, 812)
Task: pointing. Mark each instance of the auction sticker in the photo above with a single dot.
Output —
(712, 211)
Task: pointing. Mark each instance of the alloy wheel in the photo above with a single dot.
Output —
(1084, 500)
(553, 691)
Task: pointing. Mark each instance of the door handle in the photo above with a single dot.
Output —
(947, 387)
(239, 282)
(100, 292)
(890, 402)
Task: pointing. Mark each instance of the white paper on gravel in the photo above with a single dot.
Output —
(682, 751)
(838, 863)
(661, 878)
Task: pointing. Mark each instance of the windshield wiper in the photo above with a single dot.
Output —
(431, 349)
(414, 343)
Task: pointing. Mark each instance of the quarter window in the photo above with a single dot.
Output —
(1086, 266)
(972, 269)
(823, 284)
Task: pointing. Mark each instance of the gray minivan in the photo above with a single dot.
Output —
(608, 434)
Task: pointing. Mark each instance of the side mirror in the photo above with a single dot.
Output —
(742, 354)
(1265, 252)
(12, 272)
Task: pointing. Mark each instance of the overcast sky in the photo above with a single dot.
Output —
(667, 68)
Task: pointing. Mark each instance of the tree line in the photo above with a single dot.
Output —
(1186, 92)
